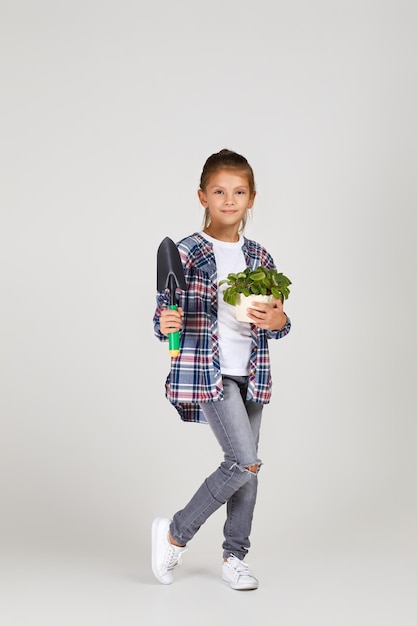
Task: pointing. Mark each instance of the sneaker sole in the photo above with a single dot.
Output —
(248, 587)
(155, 525)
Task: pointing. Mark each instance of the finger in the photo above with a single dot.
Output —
(277, 303)
(263, 307)
(255, 315)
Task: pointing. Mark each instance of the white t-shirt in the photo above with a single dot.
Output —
(234, 336)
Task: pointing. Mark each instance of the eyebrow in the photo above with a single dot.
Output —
(221, 187)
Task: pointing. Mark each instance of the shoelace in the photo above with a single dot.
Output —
(239, 566)
(172, 558)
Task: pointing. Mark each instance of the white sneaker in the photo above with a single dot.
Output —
(237, 574)
(165, 556)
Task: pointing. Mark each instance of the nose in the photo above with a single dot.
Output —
(229, 199)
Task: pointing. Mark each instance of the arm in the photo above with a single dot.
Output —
(166, 320)
(271, 318)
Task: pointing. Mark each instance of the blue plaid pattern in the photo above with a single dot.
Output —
(195, 374)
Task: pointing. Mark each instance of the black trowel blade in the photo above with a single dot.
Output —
(170, 273)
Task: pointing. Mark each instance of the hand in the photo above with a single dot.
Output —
(268, 316)
(170, 320)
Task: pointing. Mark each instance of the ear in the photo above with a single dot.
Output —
(202, 197)
(252, 200)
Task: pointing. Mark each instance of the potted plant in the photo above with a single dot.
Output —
(260, 284)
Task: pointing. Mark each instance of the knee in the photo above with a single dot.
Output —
(245, 470)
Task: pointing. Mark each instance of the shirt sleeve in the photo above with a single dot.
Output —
(162, 299)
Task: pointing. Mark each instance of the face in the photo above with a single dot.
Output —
(227, 197)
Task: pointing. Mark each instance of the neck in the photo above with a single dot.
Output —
(228, 236)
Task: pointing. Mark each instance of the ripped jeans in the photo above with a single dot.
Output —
(235, 423)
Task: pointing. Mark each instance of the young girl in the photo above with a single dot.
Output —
(222, 373)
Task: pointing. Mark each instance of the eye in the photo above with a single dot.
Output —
(241, 192)
(218, 191)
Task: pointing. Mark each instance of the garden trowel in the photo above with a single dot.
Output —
(170, 275)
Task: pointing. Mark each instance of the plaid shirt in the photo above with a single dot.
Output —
(195, 374)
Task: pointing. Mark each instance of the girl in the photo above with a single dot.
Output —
(222, 374)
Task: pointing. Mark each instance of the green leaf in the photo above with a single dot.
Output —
(258, 281)
(257, 276)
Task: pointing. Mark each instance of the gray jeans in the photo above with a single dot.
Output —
(235, 423)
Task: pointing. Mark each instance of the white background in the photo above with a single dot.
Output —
(108, 112)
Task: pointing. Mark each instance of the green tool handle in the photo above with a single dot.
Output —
(174, 338)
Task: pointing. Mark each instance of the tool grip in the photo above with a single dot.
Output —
(174, 338)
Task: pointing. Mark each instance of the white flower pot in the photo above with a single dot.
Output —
(243, 302)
